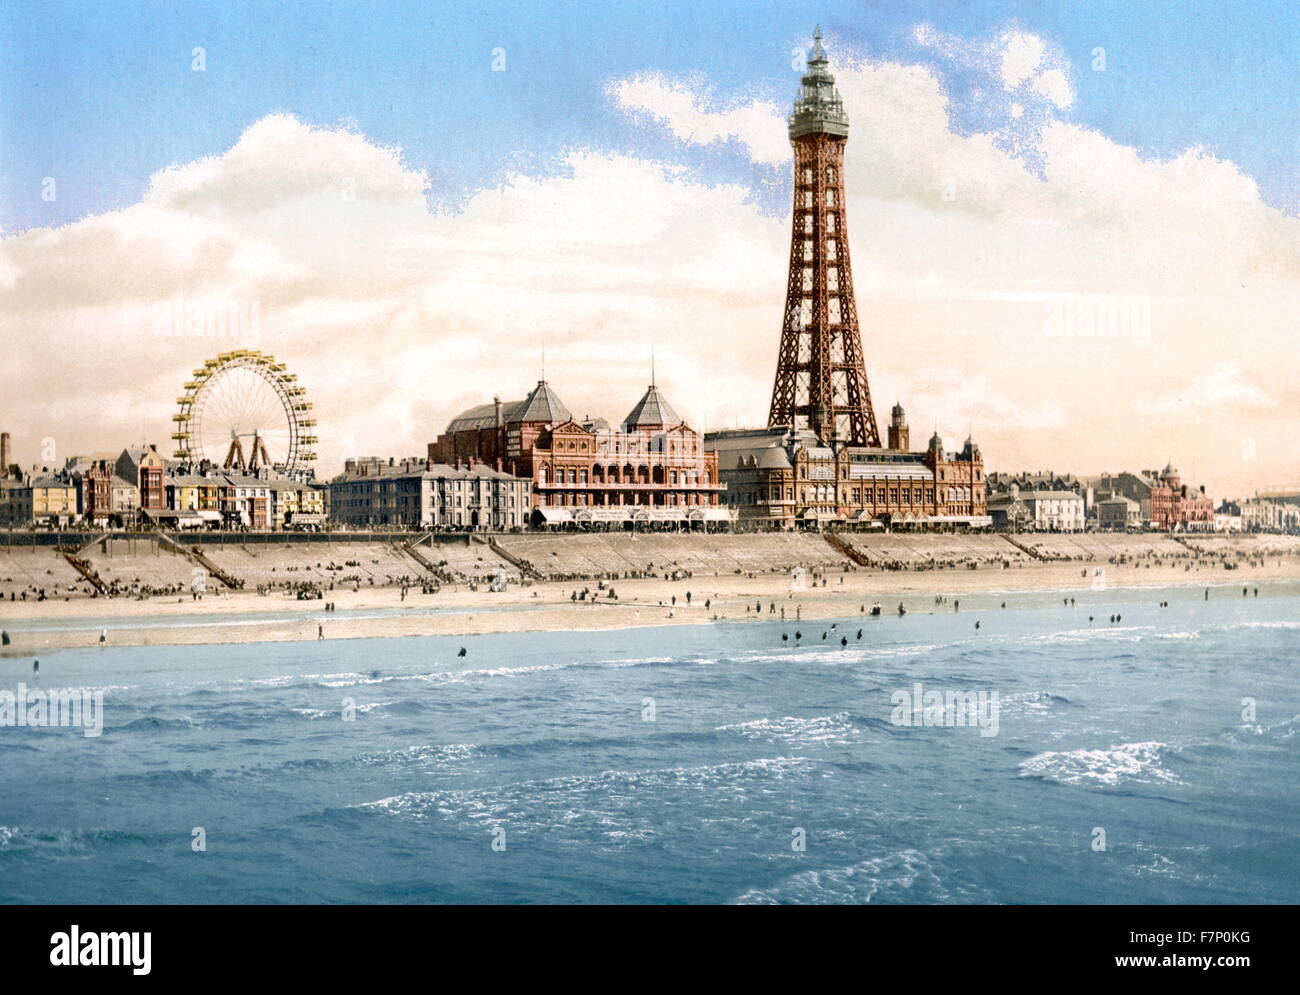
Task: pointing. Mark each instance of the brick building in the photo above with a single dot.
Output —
(652, 469)
(1163, 500)
(784, 480)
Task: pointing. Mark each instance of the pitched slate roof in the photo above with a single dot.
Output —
(542, 405)
(652, 409)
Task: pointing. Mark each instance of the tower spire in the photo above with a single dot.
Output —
(821, 381)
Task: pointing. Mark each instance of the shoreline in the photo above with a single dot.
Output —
(37, 628)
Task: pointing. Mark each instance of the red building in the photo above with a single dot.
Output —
(97, 493)
(1176, 506)
(651, 469)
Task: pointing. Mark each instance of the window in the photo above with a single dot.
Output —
(830, 198)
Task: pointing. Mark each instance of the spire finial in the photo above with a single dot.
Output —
(652, 367)
(543, 380)
(818, 53)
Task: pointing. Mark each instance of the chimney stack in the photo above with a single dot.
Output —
(496, 407)
(4, 453)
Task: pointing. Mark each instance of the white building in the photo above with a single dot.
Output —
(423, 494)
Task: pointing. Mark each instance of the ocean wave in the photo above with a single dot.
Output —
(614, 806)
(830, 730)
(907, 876)
(835, 654)
(1118, 633)
(17, 839)
(316, 713)
(440, 676)
(1030, 702)
(1285, 729)
(152, 723)
(423, 757)
(1128, 762)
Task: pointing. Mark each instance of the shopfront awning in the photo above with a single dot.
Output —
(554, 516)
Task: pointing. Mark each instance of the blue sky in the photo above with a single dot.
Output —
(101, 95)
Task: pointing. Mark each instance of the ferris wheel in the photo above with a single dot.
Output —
(243, 410)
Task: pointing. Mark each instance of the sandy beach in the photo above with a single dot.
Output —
(238, 617)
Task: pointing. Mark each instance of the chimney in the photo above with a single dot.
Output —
(4, 453)
(496, 407)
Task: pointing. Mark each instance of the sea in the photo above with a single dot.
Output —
(1132, 746)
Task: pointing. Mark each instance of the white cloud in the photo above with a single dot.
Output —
(1021, 54)
(679, 106)
(1218, 393)
(1055, 86)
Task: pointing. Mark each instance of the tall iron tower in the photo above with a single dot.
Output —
(821, 383)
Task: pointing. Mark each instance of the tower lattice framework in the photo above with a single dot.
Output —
(821, 382)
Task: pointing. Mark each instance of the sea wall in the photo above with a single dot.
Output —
(139, 563)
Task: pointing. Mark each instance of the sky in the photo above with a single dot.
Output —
(421, 198)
